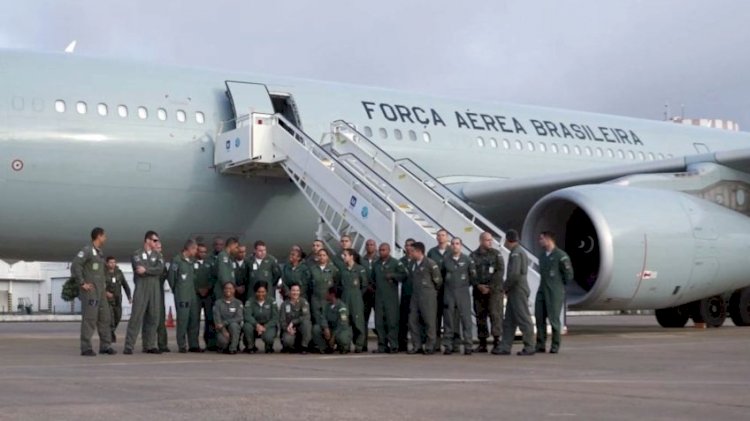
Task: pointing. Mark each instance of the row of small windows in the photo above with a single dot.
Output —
(122, 110)
(398, 134)
(567, 150)
(533, 146)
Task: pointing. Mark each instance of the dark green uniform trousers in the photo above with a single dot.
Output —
(231, 343)
(115, 317)
(342, 338)
(423, 315)
(300, 339)
(403, 321)
(95, 317)
(188, 324)
(517, 315)
(548, 307)
(387, 320)
(209, 330)
(457, 301)
(268, 337)
(145, 314)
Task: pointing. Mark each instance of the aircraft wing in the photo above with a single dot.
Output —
(508, 201)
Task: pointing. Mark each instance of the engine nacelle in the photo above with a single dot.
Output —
(635, 248)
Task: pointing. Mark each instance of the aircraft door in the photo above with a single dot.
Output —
(247, 96)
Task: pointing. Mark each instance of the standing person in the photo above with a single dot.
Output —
(334, 330)
(387, 273)
(517, 291)
(87, 269)
(241, 273)
(204, 291)
(405, 300)
(426, 281)
(488, 292)
(228, 319)
(556, 271)
(368, 295)
(324, 275)
(261, 319)
(115, 284)
(264, 268)
(181, 279)
(353, 283)
(312, 259)
(161, 327)
(437, 254)
(296, 328)
(296, 272)
(345, 242)
(224, 266)
(148, 268)
(460, 274)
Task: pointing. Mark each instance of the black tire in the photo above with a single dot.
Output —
(672, 317)
(739, 307)
(712, 311)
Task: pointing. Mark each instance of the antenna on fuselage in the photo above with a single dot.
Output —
(70, 49)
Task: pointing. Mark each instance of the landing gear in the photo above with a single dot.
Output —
(712, 311)
(673, 316)
(739, 307)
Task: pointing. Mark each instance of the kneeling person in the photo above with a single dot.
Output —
(295, 321)
(228, 318)
(261, 318)
(334, 329)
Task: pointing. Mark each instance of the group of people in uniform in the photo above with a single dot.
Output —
(326, 299)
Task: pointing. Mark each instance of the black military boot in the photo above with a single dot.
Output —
(482, 345)
(496, 346)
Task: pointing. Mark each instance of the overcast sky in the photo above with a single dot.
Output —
(624, 57)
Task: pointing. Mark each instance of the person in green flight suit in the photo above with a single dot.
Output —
(241, 273)
(404, 306)
(345, 242)
(335, 331)
(224, 266)
(426, 279)
(296, 272)
(368, 296)
(264, 267)
(437, 254)
(556, 271)
(294, 320)
(488, 292)
(161, 327)
(517, 292)
(387, 273)
(353, 283)
(324, 276)
(181, 279)
(148, 269)
(87, 269)
(459, 274)
(228, 319)
(116, 283)
(261, 319)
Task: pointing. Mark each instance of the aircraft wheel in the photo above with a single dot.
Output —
(712, 311)
(673, 316)
(739, 307)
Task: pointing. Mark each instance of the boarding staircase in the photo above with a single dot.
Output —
(355, 186)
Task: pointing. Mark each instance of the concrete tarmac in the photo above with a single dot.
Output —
(610, 367)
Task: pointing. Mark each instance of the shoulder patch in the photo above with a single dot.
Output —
(81, 254)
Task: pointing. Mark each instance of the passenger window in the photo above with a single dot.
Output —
(542, 147)
(161, 114)
(412, 135)
(480, 142)
(661, 156)
(631, 155)
(610, 153)
(651, 156)
(368, 131)
(426, 137)
(519, 145)
(102, 109)
(60, 106)
(493, 142)
(620, 154)
(506, 144)
(599, 152)
(397, 134)
(181, 117)
(122, 111)
(566, 149)
(553, 148)
(531, 146)
(577, 149)
(200, 118)
(142, 113)
(383, 133)
(81, 107)
(641, 156)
